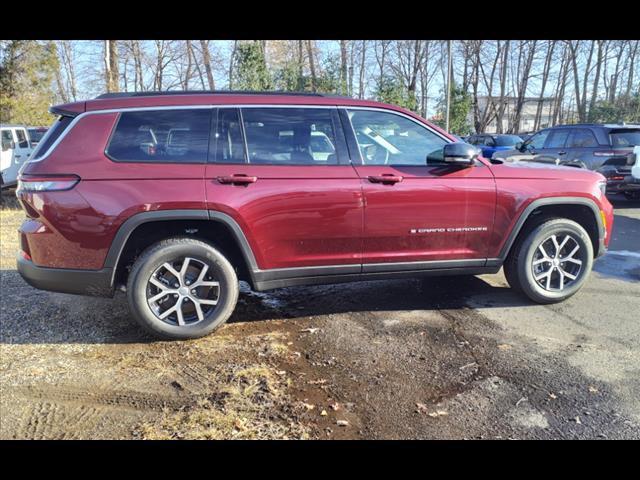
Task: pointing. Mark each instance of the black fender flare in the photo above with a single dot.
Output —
(541, 202)
(128, 226)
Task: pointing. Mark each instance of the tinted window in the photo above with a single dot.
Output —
(582, 138)
(625, 138)
(290, 136)
(537, 140)
(390, 139)
(161, 136)
(22, 138)
(7, 138)
(58, 127)
(507, 140)
(557, 139)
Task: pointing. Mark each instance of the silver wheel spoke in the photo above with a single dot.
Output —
(572, 260)
(206, 284)
(544, 253)
(157, 297)
(573, 252)
(172, 270)
(542, 260)
(567, 274)
(196, 303)
(179, 310)
(561, 279)
(203, 272)
(154, 281)
(564, 242)
(183, 270)
(168, 312)
(554, 239)
(543, 274)
(206, 301)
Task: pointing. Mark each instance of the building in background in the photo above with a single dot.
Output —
(527, 116)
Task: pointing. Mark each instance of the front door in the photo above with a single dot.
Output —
(417, 208)
(283, 175)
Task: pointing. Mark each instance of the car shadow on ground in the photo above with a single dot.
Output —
(30, 316)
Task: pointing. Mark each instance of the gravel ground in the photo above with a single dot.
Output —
(435, 358)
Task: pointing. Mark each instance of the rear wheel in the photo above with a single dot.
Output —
(182, 288)
(552, 262)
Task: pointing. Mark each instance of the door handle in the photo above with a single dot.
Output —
(385, 178)
(236, 179)
(562, 153)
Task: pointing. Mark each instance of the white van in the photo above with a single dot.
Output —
(16, 149)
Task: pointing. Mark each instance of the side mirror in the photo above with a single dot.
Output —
(8, 145)
(460, 153)
(519, 146)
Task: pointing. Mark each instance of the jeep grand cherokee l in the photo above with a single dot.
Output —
(173, 198)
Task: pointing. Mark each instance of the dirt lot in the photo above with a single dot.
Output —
(435, 358)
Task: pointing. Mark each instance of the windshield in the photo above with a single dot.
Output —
(507, 140)
(625, 138)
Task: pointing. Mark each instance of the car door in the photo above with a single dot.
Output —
(297, 204)
(529, 149)
(488, 146)
(579, 148)
(554, 150)
(419, 212)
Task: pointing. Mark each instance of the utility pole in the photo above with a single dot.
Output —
(448, 85)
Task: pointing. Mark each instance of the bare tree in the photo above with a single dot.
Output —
(111, 65)
(206, 60)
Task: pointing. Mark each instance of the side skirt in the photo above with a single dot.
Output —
(262, 285)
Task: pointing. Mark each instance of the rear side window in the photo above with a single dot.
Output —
(625, 137)
(557, 139)
(582, 138)
(290, 136)
(58, 127)
(161, 136)
(22, 138)
(507, 140)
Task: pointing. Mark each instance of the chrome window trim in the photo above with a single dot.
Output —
(76, 119)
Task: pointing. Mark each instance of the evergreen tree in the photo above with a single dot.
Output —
(250, 68)
(27, 73)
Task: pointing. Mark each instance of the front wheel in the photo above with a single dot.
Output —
(552, 262)
(182, 288)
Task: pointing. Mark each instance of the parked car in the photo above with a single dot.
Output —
(632, 182)
(14, 152)
(36, 134)
(491, 143)
(176, 229)
(604, 148)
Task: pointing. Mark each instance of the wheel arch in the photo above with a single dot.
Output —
(117, 252)
(556, 205)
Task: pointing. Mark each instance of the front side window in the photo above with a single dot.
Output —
(163, 136)
(537, 141)
(557, 139)
(290, 136)
(7, 139)
(389, 139)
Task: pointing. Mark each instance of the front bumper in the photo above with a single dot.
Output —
(80, 282)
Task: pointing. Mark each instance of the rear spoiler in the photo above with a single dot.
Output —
(69, 109)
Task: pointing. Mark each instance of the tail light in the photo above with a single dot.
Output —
(46, 183)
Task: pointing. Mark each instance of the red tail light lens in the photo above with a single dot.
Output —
(46, 183)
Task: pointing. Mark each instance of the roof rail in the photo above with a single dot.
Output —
(209, 92)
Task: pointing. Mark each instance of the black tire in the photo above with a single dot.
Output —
(173, 250)
(519, 269)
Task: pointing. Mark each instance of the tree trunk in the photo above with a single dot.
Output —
(204, 44)
(312, 66)
(343, 67)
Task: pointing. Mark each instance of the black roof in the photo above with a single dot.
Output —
(210, 92)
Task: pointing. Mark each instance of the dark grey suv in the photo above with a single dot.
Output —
(604, 148)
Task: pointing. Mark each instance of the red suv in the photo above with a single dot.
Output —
(174, 197)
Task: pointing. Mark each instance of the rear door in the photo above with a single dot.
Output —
(417, 208)
(283, 174)
(580, 147)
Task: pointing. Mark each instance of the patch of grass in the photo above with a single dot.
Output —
(244, 408)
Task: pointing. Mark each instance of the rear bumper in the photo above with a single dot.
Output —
(80, 282)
